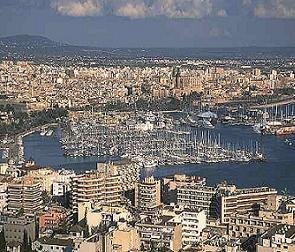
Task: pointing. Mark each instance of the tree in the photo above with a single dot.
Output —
(27, 244)
(163, 249)
(2, 242)
(45, 197)
(153, 247)
(142, 247)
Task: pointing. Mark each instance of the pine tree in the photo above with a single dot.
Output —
(29, 245)
(2, 242)
(142, 247)
(26, 246)
(153, 247)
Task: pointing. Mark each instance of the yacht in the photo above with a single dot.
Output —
(150, 164)
(43, 132)
(206, 124)
(49, 133)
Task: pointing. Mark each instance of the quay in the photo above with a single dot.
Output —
(13, 145)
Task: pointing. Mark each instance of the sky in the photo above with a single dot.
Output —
(153, 23)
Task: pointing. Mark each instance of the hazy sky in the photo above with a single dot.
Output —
(153, 23)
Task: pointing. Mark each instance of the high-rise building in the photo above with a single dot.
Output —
(103, 186)
(148, 194)
(24, 195)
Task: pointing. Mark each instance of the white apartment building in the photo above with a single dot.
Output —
(193, 222)
(62, 183)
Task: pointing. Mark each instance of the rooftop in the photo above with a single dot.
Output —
(283, 229)
(55, 241)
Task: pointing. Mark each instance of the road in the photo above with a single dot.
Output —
(280, 103)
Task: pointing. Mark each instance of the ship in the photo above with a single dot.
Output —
(206, 124)
(208, 116)
(261, 128)
(191, 122)
(150, 164)
(287, 130)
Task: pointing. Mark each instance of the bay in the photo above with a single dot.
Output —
(278, 171)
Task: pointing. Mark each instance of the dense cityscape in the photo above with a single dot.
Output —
(147, 126)
(134, 119)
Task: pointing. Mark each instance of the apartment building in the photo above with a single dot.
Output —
(192, 220)
(103, 186)
(281, 216)
(148, 194)
(170, 185)
(3, 197)
(15, 229)
(241, 201)
(53, 245)
(52, 218)
(44, 176)
(159, 232)
(61, 183)
(102, 215)
(177, 180)
(196, 196)
(24, 195)
(248, 225)
(280, 238)
(125, 238)
(127, 169)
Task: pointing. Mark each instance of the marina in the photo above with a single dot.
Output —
(222, 152)
(153, 137)
(278, 170)
(276, 121)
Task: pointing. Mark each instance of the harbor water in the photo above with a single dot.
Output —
(278, 171)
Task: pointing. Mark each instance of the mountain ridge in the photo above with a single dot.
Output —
(24, 39)
(24, 46)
